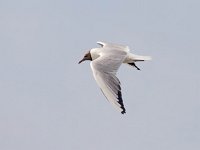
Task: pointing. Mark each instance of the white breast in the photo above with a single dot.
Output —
(95, 53)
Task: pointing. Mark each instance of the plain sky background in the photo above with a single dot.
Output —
(49, 102)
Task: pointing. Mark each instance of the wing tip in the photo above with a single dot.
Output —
(121, 102)
(101, 43)
(123, 111)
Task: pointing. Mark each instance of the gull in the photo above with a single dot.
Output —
(105, 62)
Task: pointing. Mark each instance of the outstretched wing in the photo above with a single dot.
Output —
(104, 70)
(114, 46)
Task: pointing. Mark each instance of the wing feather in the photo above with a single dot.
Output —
(104, 70)
(114, 46)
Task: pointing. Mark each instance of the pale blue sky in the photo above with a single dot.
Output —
(48, 101)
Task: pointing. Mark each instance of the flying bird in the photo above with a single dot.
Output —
(105, 61)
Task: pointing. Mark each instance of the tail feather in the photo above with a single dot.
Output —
(140, 58)
(132, 58)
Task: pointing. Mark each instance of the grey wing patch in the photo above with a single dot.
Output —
(114, 84)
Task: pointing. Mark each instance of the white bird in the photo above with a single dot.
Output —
(105, 61)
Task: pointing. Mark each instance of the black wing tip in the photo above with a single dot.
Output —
(121, 102)
(123, 112)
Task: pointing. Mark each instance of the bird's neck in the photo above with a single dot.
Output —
(95, 53)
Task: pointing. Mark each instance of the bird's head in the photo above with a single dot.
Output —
(87, 56)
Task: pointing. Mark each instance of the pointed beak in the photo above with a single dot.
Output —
(81, 60)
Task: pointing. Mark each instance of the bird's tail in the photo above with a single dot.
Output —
(140, 58)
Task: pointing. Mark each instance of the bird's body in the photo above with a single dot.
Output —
(105, 61)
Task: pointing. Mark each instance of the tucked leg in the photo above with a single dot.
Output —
(134, 65)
